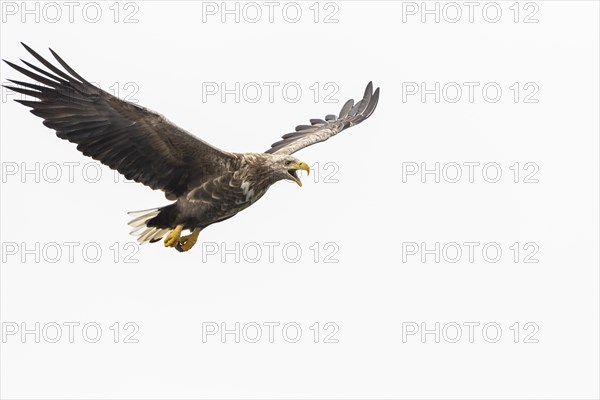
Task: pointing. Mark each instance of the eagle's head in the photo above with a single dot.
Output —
(287, 167)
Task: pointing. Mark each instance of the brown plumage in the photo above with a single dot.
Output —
(208, 185)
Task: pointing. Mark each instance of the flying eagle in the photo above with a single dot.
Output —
(208, 185)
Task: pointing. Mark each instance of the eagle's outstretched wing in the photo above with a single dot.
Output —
(321, 130)
(139, 143)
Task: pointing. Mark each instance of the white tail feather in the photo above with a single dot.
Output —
(158, 234)
(143, 218)
(144, 233)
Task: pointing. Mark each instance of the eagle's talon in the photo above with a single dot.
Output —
(173, 237)
(188, 241)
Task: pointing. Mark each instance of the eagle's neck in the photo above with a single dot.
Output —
(258, 169)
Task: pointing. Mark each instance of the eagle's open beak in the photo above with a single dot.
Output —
(295, 167)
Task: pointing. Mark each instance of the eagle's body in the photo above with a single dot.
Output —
(230, 190)
(207, 185)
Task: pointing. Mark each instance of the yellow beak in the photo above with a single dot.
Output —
(295, 167)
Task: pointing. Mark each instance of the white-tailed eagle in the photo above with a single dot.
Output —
(207, 185)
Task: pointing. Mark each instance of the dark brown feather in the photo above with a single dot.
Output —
(139, 143)
(320, 130)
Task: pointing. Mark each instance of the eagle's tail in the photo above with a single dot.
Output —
(143, 229)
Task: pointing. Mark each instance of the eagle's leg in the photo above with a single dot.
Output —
(172, 238)
(188, 241)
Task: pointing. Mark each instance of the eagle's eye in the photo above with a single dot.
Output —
(288, 162)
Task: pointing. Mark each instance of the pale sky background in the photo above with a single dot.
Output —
(362, 224)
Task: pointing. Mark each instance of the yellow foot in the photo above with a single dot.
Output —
(187, 242)
(172, 238)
